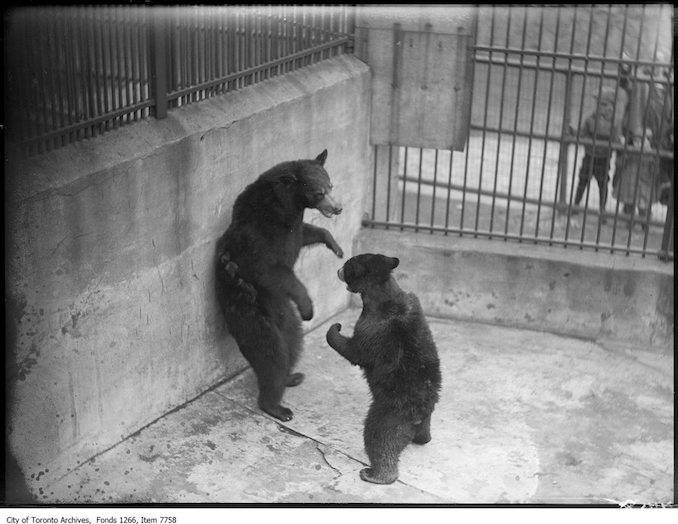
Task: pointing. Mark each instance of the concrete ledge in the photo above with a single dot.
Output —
(591, 295)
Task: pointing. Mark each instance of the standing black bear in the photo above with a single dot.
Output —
(393, 345)
(255, 280)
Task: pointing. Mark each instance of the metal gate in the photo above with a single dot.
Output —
(568, 139)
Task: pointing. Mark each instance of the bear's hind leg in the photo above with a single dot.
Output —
(422, 433)
(386, 436)
(290, 329)
(262, 344)
(271, 388)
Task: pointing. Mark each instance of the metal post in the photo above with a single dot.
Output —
(158, 59)
(562, 157)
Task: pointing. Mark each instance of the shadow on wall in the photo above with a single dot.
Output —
(15, 490)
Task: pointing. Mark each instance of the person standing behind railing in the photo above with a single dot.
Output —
(647, 126)
(602, 128)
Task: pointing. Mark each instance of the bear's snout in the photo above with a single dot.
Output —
(328, 206)
(340, 274)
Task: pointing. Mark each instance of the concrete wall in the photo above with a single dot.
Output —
(110, 242)
(599, 296)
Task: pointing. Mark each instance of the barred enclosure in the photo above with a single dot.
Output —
(76, 72)
(537, 74)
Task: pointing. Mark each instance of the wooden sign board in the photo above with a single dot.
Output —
(421, 85)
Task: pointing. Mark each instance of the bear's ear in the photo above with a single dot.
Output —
(393, 262)
(322, 157)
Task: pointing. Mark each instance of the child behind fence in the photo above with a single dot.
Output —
(600, 126)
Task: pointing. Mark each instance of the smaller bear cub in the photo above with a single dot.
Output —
(392, 343)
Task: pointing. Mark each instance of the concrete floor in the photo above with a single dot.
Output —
(524, 417)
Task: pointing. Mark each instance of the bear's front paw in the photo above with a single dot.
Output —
(333, 337)
(306, 309)
(333, 246)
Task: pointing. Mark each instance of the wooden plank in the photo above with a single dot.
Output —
(421, 91)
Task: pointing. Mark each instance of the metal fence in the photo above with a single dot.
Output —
(537, 76)
(76, 72)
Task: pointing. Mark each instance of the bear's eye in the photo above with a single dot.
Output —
(320, 195)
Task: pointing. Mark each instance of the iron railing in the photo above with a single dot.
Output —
(516, 178)
(75, 72)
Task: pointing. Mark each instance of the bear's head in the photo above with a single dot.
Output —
(364, 271)
(308, 186)
(316, 186)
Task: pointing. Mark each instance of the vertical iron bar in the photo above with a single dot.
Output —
(83, 79)
(136, 57)
(25, 65)
(50, 81)
(388, 187)
(107, 63)
(33, 73)
(299, 40)
(548, 127)
(435, 184)
(470, 71)
(220, 46)
(190, 57)
(116, 70)
(230, 46)
(269, 42)
(501, 122)
(145, 54)
(207, 24)
(532, 114)
(563, 160)
(159, 65)
(487, 102)
(402, 204)
(120, 63)
(213, 21)
(593, 147)
(581, 115)
(282, 40)
(608, 151)
(642, 143)
(421, 160)
(100, 65)
(373, 215)
(515, 125)
(203, 43)
(69, 73)
(449, 191)
(244, 45)
(129, 60)
(176, 31)
(622, 153)
(250, 42)
(259, 47)
(57, 66)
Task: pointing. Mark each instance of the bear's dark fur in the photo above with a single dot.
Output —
(393, 345)
(255, 281)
